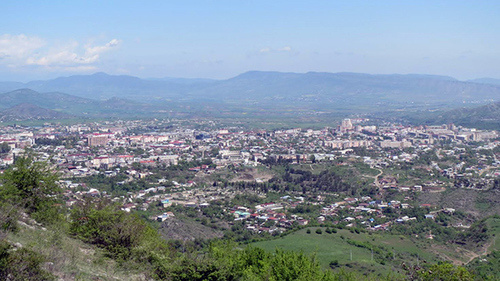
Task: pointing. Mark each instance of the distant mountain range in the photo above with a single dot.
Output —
(272, 86)
(255, 91)
(101, 86)
(491, 81)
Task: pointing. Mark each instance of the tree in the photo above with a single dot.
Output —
(4, 147)
(440, 271)
(31, 185)
(312, 158)
(123, 235)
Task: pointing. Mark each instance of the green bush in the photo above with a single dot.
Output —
(32, 186)
(334, 264)
(123, 235)
(21, 264)
(8, 217)
(441, 271)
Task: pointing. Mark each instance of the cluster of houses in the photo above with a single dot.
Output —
(120, 147)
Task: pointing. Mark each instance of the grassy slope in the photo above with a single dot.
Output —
(329, 247)
(478, 203)
(71, 259)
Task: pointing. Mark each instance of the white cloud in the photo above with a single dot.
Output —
(13, 47)
(68, 55)
(92, 51)
(285, 49)
(17, 51)
(279, 50)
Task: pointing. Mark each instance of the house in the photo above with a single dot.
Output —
(162, 217)
(303, 222)
(166, 203)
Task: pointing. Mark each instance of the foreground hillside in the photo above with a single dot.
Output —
(94, 239)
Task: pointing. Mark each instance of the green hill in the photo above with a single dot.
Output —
(27, 111)
(55, 105)
(487, 116)
(389, 251)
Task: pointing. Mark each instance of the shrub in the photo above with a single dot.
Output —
(32, 185)
(21, 264)
(334, 264)
(120, 233)
(8, 217)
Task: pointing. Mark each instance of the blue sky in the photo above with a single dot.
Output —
(220, 39)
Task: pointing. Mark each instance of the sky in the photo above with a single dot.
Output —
(220, 39)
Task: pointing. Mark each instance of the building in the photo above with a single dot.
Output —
(98, 139)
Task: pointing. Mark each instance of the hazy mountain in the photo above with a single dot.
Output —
(103, 86)
(487, 116)
(10, 86)
(260, 89)
(75, 105)
(28, 111)
(491, 81)
(124, 108)
(347, 88)
(188, 81)
(52, 100)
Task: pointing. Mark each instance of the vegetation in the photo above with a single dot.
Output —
(439, 271)
(488, 267)
(32, 186)
(21, 264)
(29, 190)
(124, 236)
(4, 147)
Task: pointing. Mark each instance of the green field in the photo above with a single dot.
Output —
(393, 249)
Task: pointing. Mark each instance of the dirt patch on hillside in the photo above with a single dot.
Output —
(177, 229)
(475, 202)
(253, 175)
